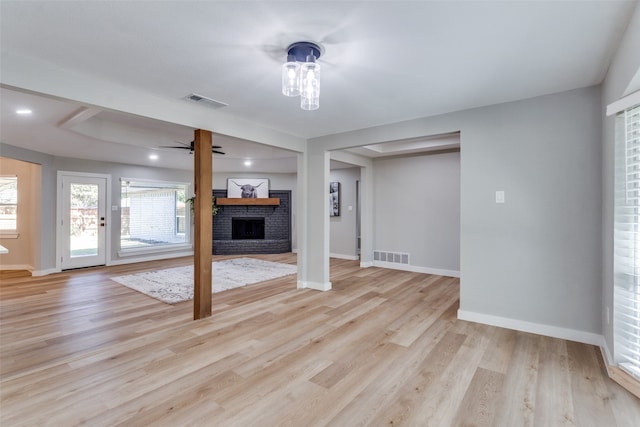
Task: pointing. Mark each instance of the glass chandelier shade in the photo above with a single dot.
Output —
(301, 74)
(310, 86)
(291, 77)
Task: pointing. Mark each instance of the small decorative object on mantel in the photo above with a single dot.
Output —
(214, 207)
(334, 199)
(247, 188)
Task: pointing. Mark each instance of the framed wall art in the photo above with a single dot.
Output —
(248, 188)
(334, 199)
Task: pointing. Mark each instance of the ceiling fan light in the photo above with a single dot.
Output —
(291, 77)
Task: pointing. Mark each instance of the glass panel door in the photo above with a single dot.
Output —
(83, 221)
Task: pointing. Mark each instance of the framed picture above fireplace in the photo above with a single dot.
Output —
(247, 188)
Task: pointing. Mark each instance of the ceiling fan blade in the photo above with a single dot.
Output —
(173, 146)
(218, 152)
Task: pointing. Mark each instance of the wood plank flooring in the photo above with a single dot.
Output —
(383, 347)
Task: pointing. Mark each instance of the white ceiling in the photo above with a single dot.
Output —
(382, 62)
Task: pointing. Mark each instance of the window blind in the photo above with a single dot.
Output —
(627, 241)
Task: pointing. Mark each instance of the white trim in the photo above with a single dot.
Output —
(416, 269)
(534, 328)
(342, 256)
(45, 272)
(16, 267)
(623, 103)
(606, 354)
(127, 252)
(302, 284)
(366, 264)
(151, 258)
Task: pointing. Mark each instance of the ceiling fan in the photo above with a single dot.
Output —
(191, 147)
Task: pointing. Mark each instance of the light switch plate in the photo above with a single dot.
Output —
(499, 196)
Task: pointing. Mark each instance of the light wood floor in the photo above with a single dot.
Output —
(382, 348)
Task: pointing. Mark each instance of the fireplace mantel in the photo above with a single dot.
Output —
(264, 201)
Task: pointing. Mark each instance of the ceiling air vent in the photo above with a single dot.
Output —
(203, 100)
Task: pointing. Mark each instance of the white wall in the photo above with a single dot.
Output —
(417, 209)
(343, 227)
(622, 71)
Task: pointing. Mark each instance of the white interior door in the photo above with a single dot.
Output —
(83, 220)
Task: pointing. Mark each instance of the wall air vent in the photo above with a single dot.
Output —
(395, 257)
(204, 100)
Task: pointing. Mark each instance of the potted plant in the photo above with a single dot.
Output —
(214, 207)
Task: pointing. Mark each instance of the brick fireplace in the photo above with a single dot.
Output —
(276, 228)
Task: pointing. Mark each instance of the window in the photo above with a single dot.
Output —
(627, 241)
(8, 204)
(153, 214)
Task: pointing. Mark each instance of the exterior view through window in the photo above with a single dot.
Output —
(8, 203)
(153, 214)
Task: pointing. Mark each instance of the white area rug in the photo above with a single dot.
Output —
(176, 284)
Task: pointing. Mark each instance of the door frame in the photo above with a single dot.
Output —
(59, 214)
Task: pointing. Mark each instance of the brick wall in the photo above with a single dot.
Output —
(277, 227)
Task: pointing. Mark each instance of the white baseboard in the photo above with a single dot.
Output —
(150, 258)
(16, 267)
(416, 269)
(302, 284)
(366, 264)
(45, 272)
(606, 353)
(342, 256)
(534, 328)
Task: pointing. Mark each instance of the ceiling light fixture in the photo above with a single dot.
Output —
(24, 111)
(153, 157)
(247, 162)
(301, 74)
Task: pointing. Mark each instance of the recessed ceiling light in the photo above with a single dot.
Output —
(153, 156)
(247, 162)
(24, 111)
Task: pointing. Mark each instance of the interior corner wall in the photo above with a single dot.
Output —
(22, 250)
(343, 228)
(43, 256)
(535, 259)
(623, 69)
(417, 209)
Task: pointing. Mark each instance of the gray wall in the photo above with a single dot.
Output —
(417, 209)
(623, 69)
(537, 258)
(343, 227)
(118, 171)
(50, 167)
